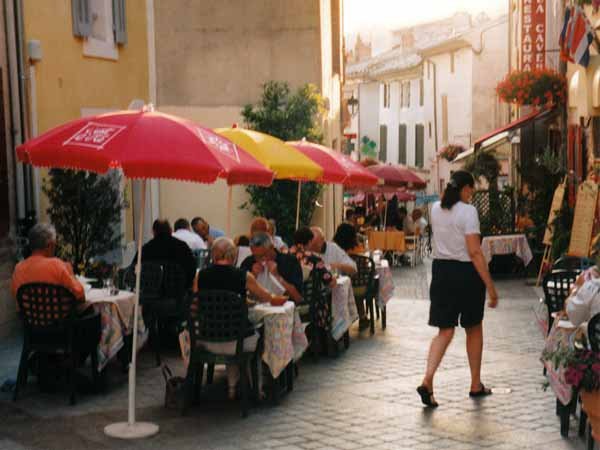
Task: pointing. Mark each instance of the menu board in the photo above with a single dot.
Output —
(557, 200)
(583, 221)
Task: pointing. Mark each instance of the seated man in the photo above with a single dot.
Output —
(164, 247)
(222, 275)
(419, 221)
(206, 232)
(43, 267)
(584, 302)
(277, 241)
(185, 234)
(405, 222)
(333, 255)
(267, 263)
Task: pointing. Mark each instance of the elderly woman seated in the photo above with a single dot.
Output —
(223, 275)
(584, 301)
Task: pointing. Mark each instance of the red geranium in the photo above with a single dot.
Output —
(538, 87)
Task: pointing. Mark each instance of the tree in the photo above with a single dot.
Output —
(85, 208)
(287, 116)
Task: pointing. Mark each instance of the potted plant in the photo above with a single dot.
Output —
(451, 151)
(582, 372)
(537, 88)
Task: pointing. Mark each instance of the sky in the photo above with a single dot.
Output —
(368, 14)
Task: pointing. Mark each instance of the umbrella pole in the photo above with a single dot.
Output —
(132, 429)
(385, 214)
(298, 205)
(229, 201)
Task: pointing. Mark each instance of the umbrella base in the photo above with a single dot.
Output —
(136, 430)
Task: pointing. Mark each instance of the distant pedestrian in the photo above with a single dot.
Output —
(459, 280)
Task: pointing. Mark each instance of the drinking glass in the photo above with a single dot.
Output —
(108, 286)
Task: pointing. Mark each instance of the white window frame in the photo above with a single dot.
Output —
(104, 49)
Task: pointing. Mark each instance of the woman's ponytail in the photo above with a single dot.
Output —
(458, 181)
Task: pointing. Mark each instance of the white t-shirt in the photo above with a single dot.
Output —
(450, 228)
(584, 303)
(334, 254)
(193, 240)
(421, 224)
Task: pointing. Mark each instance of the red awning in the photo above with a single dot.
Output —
(511, 126)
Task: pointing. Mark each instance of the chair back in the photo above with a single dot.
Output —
(46, 307)
(218, 316)
(202, 257)
(557, 287)
(362, 280)
(594, 332)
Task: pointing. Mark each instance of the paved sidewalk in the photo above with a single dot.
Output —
(364, 399)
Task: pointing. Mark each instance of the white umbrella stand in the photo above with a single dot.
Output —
(132, 429)
(298, 204)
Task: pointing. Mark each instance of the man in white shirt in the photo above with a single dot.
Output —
(184, 233)
(333, 255)
(419, 221)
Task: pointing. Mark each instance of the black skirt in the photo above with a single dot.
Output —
(456, 292)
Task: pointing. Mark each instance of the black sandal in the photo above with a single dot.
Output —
(483, 392)
(427, 397)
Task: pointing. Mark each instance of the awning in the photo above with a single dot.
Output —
(489, 144)
(519, 123)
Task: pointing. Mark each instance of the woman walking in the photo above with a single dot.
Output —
(459, 281)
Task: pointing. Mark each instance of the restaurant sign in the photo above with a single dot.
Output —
(533, 34)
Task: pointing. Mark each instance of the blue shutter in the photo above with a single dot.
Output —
(402, 143)
(383, 143)
(119, 21)
(82, 20)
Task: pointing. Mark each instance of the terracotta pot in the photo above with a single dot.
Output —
(591, 405)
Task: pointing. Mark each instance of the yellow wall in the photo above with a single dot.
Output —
(67, 81)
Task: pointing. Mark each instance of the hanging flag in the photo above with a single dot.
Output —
(565, 36)
(582, 36)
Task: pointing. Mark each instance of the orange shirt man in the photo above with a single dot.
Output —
(42, 266)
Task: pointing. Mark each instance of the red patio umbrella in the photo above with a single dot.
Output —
(337, 167)
(397, 175)
(144, 144)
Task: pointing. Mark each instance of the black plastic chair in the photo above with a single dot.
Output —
(317, 296)
(573, 263)
(594, 332)
(219, 316)
(51, 326)
(557, 287)
(202, 257)
(363, 284)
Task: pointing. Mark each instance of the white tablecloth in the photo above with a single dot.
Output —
(386, 283)
(284, 335)
(116, 316)
(505, 245)
(343, 307)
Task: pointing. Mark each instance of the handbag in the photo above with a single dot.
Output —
(174, 390)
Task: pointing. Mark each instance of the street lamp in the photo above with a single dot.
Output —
(353, 105)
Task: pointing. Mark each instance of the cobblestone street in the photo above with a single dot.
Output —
(363, 399)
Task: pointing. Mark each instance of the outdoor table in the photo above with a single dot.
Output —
(385, 289)
(116, 317)
(505, 245)
(343, 307)
(284, 336)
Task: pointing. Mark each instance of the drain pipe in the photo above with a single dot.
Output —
(17, 100)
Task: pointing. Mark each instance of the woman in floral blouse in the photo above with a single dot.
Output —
(314, 265)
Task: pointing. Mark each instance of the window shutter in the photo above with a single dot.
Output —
(82, 20)
(419, 142)
(402, 143)
(119, 21)
(383, 143)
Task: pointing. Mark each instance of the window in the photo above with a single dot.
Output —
(386, 95)
(445, 119)
(419, 145)
(402, 143)
(451, 62)
(102, 24)
(383, 143)
(429, 126)
(429, 71)
(421, 92)
(405, 94)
